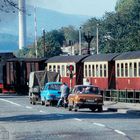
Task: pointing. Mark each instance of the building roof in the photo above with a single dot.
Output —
(128, 55)
(100, 57)
(63, 59)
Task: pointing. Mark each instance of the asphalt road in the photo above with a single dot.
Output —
(19, 120)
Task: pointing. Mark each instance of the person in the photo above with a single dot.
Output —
(64, 89)
(87, 82)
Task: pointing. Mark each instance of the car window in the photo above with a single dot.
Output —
(88, 90)
(53, 87)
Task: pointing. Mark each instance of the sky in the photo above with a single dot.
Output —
(95, 8)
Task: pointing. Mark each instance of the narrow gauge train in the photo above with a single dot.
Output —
(107, 71)
(17, 70)
(119, 71)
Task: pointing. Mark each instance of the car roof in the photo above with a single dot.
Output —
(53, 83)
(85, 86)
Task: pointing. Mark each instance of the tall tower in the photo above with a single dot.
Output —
(22, 24)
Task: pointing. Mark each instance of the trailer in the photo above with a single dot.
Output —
(37, 80)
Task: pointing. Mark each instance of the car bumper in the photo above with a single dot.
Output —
(88, 104)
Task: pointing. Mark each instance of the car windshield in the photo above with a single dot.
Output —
(88, 89)
(54, 86)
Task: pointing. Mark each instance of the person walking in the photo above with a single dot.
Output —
(64, 94)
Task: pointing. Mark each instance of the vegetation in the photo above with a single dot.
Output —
(119, 31)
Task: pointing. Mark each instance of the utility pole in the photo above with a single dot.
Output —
(44, 44)
(80, 49)
(35, 26)
(88, 39)
(97, 39)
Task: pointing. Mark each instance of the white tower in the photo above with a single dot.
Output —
(22, 24)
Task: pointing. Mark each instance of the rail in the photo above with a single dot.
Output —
(131, 96)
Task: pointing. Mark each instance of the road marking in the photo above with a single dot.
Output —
(77, 119)
(41, 111)
(99, 124)
(10, 102)
(120, 132)
(28, 107)
(59, 115)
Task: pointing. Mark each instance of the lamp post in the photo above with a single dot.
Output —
(80, 41)
(88, 39)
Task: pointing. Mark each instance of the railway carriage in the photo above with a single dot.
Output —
(69, 67)
(127, 67)
(100, 70)
(17, 73)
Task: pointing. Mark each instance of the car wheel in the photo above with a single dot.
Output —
(75, 107)
(70, 108)
(42, 103)
(92, 109)
(100, 108)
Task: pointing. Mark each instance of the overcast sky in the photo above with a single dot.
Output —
(95, 8)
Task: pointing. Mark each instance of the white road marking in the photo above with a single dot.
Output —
(99, 124)
(10, 102)
(120, 132)
(28, 107)
(59, 115)
(41, 111)
(77, 119)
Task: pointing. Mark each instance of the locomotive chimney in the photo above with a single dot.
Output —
(22, 24)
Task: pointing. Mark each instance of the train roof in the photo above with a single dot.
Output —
(6, 55)
(27, 59)
(101, 57)
(70, 58)
(128, 55)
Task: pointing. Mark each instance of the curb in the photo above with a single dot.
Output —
(134, 112)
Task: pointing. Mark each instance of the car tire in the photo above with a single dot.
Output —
(92, 109)
(42, 103)
(100, 108)
(70, 108)
(75, 107)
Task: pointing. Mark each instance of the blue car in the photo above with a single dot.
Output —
(51, 93)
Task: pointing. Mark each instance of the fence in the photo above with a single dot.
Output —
(122, 96)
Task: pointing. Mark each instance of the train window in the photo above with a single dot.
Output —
(85, 70)
(122, 70)
(54, 68)
(63, 70)
(135, 69)
(97, 71)
(50, 68)
(101, 74)
(139, 68)
(126, 69)
(58, 68)
(104, 70)
(118, 70)
(130, 70)
(93, 71)
(89, 67)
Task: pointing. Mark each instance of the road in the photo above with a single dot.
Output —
(19, 120)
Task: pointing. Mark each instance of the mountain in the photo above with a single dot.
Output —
(46, 19)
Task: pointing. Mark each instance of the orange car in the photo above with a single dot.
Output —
(85, 96)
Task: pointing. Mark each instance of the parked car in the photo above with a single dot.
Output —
(85, 96)
(51, 93)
